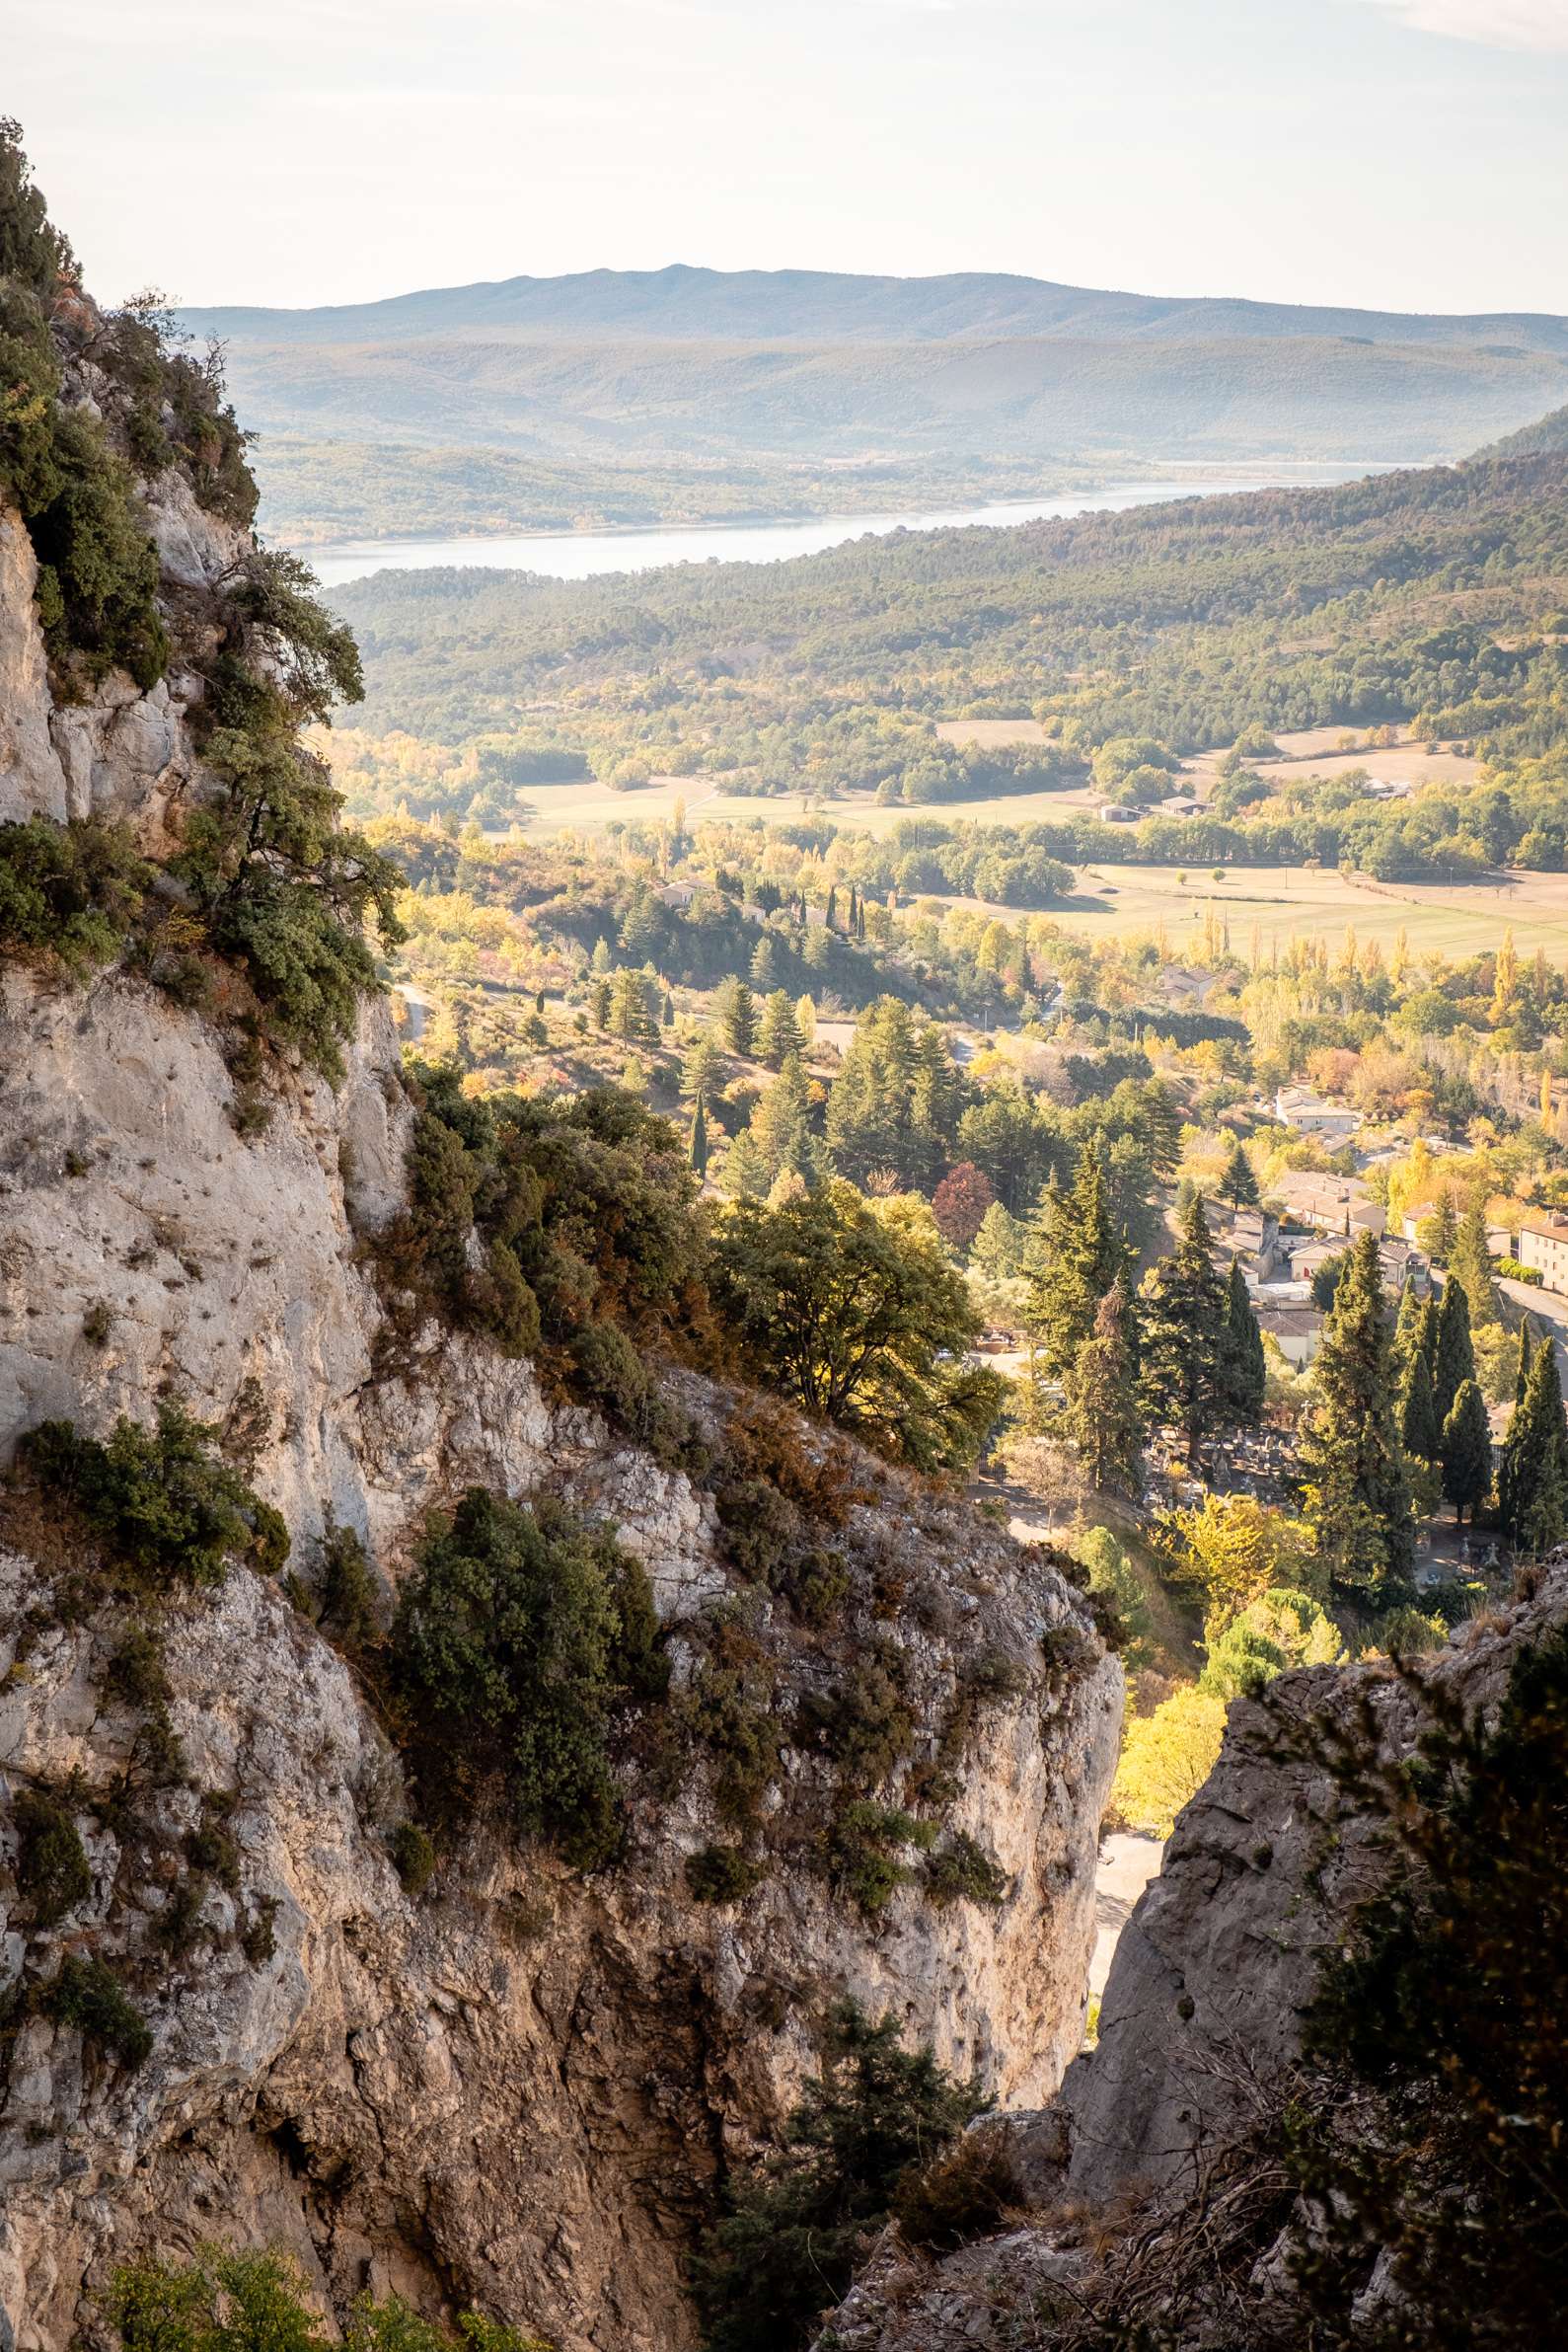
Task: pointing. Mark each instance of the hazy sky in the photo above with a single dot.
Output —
(1408, 154)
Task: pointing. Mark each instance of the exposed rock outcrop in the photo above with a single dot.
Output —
(1201, 2016)
(518, 2091)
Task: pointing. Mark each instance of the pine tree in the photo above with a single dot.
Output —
(1245, 1367)
(698, 1147)
(700, 1074)
(737, 1011)
(1101, 1414)
(1470, 1263)
(601, 1004)
(1467, 1452)
(1533, 1487)
(1456, 1362)
(1358, 1493)
(1080, 1253)
(763, 965)
(631, 1013)
(778, 1038)
(1184, 1330)
(780, 1126)
(1420, 1430)
(1238, 1186)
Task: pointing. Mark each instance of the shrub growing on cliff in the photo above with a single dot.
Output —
(89, 1996)
(163, 1506)
(520, 1636)
(582, 1215)
(255, 2301)
(869, 2122)
(282, 892)
(68, 893)
(52, 1864)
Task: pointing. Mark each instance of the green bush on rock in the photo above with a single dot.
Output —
(520, 1637)
(164, 1506)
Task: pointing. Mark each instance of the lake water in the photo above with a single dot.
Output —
(581, 555)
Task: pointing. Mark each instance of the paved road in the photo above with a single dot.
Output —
(1126, 1865)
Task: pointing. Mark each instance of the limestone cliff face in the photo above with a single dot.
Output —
(518, 2091)
(1200, 2016)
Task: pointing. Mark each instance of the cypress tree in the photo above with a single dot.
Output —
(1080, 1254)
(1358, 1493)
(1246, 1366)
(1534, 1489)
(833, 907)
(1429, 1329)
(1455, 1361)
(1420, 1430)
(1467, 1452)
(699, 1138)
(1407, 1327)
(1471, 1264)
(1506, 1480)
(1185, 1332)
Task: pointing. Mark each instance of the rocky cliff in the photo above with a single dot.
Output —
(1149, 2203)
(519, 2089)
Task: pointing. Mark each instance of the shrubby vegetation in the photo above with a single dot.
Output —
(245, 2301)
(870, 2123)
(68, 893)
(520, 1636)
(160, 1508)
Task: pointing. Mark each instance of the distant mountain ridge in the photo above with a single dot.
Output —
(677, 392)
(686, 304)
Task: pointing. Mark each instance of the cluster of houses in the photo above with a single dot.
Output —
(1318, 1216)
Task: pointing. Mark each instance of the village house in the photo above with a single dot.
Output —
(1334, 1204)
(1543, 1244)
(1296, 1332)
(1307, 1113)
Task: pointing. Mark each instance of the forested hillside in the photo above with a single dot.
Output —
(1372, 602)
